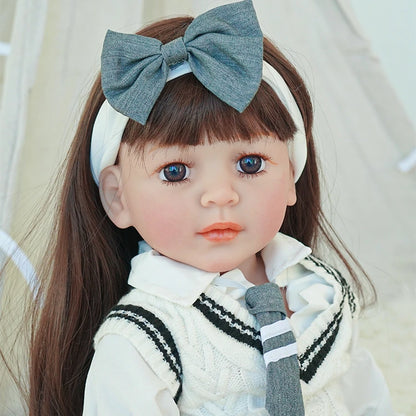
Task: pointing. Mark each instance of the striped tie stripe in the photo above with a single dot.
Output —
(278, 353)
(275, 329)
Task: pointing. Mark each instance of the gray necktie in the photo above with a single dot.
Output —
(283, 394)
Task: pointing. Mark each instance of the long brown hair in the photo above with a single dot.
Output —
(88, 258)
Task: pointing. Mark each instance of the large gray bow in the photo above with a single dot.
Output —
(224, 49)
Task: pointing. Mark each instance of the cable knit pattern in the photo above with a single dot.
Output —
(213, 348)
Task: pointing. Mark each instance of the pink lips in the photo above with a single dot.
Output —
(221, 231)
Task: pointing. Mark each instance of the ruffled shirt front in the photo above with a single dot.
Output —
(113, 385)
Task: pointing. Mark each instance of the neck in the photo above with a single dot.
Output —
(253, 270)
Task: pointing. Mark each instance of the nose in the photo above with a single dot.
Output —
(219, 193)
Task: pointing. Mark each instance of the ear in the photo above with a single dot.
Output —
(111, 195)
(291, 192)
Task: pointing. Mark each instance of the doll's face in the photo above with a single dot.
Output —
(213, 206)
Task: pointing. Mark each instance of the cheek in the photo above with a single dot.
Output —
(159, 221)
(271, 209)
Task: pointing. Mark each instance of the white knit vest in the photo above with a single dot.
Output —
(209, 354)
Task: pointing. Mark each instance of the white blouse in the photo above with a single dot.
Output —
(120, 382)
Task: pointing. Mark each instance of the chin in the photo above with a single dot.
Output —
(219, 267)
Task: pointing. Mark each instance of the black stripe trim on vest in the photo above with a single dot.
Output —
(316, 353)
(227, 322)
(156, 331)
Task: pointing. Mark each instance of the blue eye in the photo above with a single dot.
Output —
(174, 172)
(251, 164)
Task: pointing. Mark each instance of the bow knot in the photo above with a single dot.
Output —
(174, 52)
(265, 298)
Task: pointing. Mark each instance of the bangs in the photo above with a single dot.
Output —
(186, 113)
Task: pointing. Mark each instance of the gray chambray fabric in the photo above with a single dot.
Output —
(283, 394)
(224, 49)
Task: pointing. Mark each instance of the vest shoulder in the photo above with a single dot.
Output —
(151, 338)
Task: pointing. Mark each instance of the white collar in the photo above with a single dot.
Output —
(158, 275)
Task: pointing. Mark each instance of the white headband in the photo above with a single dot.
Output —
(109, 125)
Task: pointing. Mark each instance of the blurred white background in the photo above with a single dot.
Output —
(391, 29)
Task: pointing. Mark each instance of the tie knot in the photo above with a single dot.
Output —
(265, 298)
(174, 52)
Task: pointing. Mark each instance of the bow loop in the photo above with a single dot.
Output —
(174, 52)
(224, 49)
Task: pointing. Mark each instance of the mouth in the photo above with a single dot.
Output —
(221, 231)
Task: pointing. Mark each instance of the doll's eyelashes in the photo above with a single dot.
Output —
(174, 172)
(251, 164)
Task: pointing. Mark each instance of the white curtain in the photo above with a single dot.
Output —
(19, 76)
